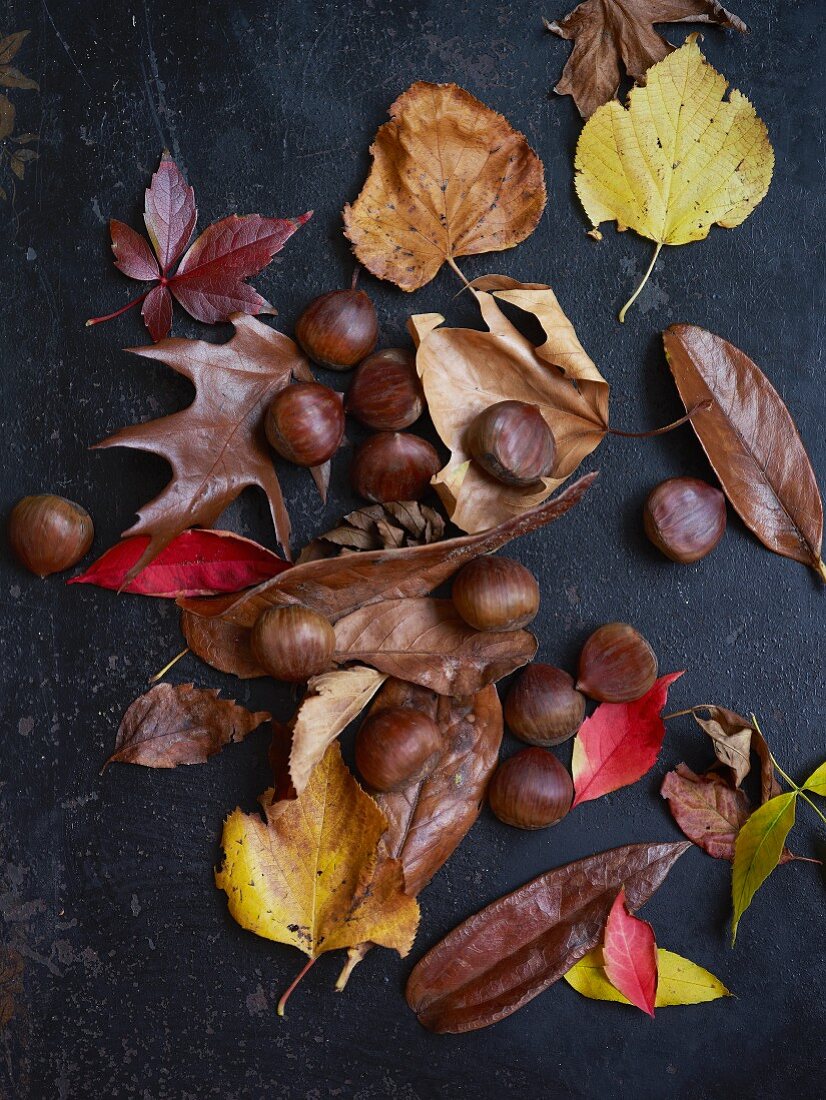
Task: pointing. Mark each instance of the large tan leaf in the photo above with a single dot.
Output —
(678, 160)
(450, 178)
(464, 371)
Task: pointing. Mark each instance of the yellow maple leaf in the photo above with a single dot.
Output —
(678, 159)
(308, 873)
(680, 981)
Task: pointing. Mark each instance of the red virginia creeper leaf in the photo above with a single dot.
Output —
(157, 312)
(619, 742)
(709, 810)
(133, 255)
(169, 212)
(196, 563)
(630, 953)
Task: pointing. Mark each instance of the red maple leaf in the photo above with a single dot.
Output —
(209, 282)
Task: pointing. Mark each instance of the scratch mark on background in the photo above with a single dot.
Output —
(65, 45)
(161, 108)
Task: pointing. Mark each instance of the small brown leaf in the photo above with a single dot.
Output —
(734, 738)
(378, 527)
(222, 644)
(180, 724)
(708, 810)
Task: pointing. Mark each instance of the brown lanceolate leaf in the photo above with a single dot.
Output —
(378, 527)
(450, 177)
(180, 724)
(751, 441)
(504, 955)
(606, 33)
(426, 642)
(428, 819)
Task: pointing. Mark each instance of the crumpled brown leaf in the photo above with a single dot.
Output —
(450, 177)
(707, 808)
(378, 527)
(734, 738)
(464, 371)
(605, 33)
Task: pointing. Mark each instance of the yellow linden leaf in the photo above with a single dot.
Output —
(679, 159)
(308, 874)
(680, 982)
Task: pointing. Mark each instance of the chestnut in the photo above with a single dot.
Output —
(495, 594)
(49, 533)
(338, 329)
(393, 466)
(397, 746)
(543, 707)
(616, 665)
(531, 790)
(386, 393)
(512, 442)
(685, 518)
(305, 423)
(293, 643)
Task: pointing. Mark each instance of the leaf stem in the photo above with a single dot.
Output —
(788, 779)
(633, 297)
(803, 794)
(452, 264)
(160, 675)
(118, 312)
(701, 406)
(282, 1003)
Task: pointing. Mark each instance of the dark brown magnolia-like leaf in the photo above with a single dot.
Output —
(216, 446)
(751, 441)
(428, 819)
(378, 527)
(426, 642)
(734, 738)
(180, 724)
(707, 808)
(504, 955)
(605, 33)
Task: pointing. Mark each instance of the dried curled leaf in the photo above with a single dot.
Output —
(450, 177)
(678, 160)
(734, 739)
(681, 982)
(464, 372)
(751, 441)
(378, 527)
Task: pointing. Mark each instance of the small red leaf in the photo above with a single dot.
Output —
(619, 742)
(709, 810)
(195, 563)
(133, 255)
(169, 212)
(157, 312)
(630, 953)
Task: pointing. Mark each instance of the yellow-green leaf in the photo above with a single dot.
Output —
(757, 851)
(681, 982)
(679, 159)
(817, 781)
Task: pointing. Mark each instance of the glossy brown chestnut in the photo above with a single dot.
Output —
(49, 533)
(543, 707)
(495, 594)
(616, 665)
(338, 329)
(512, 442)
(293, 643)
(305, 423)
(393, 466)
(531, 790)
(386, 393)
(397, 746)
(685, 518)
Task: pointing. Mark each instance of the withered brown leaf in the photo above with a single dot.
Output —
(378, 527)
(734, 738)
(708, 809)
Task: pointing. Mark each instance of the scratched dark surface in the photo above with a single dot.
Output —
(136, 983)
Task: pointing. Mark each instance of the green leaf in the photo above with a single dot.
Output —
(681, 982)
(757, 851)
(817, 781)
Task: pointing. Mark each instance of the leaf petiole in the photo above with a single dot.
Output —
(118, 312)
(634, 296)
(795, 787)
(282, 1003)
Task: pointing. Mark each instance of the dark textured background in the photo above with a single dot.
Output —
(136, 982)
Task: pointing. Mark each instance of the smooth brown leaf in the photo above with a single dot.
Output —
(180, 724)
(216, 446)
(378, 527)
(606, 33)
(504, 955)
(426, 642)
(222, 644)
(450, 177)
(751, 441)
(464, 372)
(708, 809)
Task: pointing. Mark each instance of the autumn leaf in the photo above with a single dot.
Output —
(10, 77)
(378, 527)
(708, 810)
(609, 37)
(630, 955)
(678, 160)
(308, 874)
(181, 724)
(222, 644)
(758, 849)
(680, 982)
(209, 281)
(195, 563)
(619, 742)
(817, 781)
(216, 446)
(450, 177)
(464, 371)
(733, 739)
(751, 442)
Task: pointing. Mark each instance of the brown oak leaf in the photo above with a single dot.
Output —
(378, 527)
